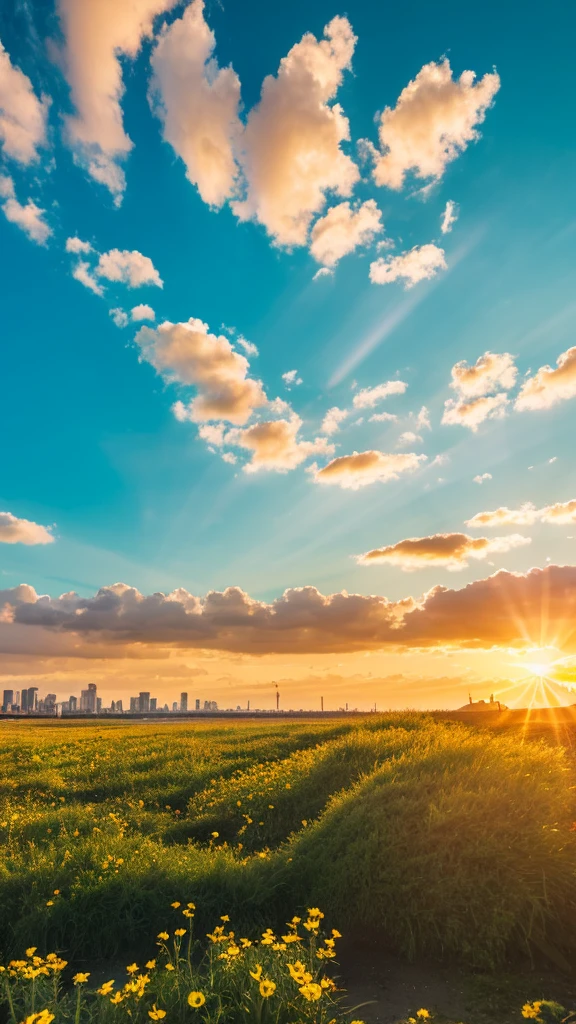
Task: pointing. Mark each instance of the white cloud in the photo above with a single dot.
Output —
(120, 318)
(275, 445)
(343, 229)
(28, 217)
(491, 372)
(409, 437)
(562, 513)
(249, 347)
(481, 478)
(472, 413)
(363, 468)
(22, 531)
(449, 217)
(291, 149)
(449, 550)
(22, 115)
(550, 385)
(188, 354)
(291, 378)
(423, 419)
(367, 398)
(212, 433)
(383, 417)
(198, 104)
(76, 245)
(97, 34)
(332, 420)
(82, 273)
(418, 264)
(142, 312)
(230, 458)
(432, 123)
(130, 268)
(323, 272)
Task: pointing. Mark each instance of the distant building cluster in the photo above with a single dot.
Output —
(27, 702)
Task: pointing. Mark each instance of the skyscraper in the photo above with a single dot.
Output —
(144, 701)
(153, 703)
(29, 699)
(183, 702)
(7, 700)
(88, 699)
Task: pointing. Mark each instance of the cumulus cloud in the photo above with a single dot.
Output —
(449, 217)
(409, 437)
(120, 318)
(187, 353)
(291, 149)
(418, 264)
(433, 121)
(562, 513)
(275, 445)
(22, 531)
(491, 372)
(198, 104)
(291, 378)
(28, 218)
(130, 268)
(474, 412)
(363, 468)
(550, 385)
(82, 272)
(423, 419)
(383, 417)
(98, 33)
(142, 312)
(332, 420)
(77, 246)
(22, 115)
(481, 478)
(344, 229)
(367, 398)
(503, 610)
(451, 551)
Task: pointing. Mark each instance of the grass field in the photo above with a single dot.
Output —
(435, 839)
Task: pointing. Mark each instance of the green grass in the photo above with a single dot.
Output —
(436, 838)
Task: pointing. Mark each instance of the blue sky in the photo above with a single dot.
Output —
(92, 447)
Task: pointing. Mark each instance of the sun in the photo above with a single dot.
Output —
(538, 669)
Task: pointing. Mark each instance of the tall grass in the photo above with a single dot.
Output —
(438, 838)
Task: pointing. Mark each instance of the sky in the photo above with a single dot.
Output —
(288, 380)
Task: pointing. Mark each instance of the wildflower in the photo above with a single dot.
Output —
(423, 1014)
(81, 978)
(150, 965)
(531, 1011)
(56, 892)
(311, 991)
(188, 913)
(180, 932)
(31, 951)
(336, 935)
(49, 903)
(132, 969)
(245, 943)
(215, 835)
(116, 998)
(191, 906)
(164, 936)
(257, 974)
(267, 988)
(43, 1017)
(224, 918)
(176, 904)
(155, 1013)
(196, 1000)
(106, 988)
(169, 967)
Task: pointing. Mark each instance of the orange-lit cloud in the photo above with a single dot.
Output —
(550, 385)
(275, 445)
(451, 550)
(363, 468)
(22, 531)
(344, 229)
(418, 264)
(561, 514)
(22, 115)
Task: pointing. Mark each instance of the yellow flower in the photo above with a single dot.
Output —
(81, 978)
(336, 935)
(311, 991)
(43, 1017)
(155, 1013)
(176, 904)
(31, 951)
(106, 988)
(215, 835)
(423, 1014)
(163, 935)
(132, 969)
(169, 967)
(150, 965)
(180, 932)
(267, 988)
(224, 918)
(257, 974)
(191, 906)
(116, 998)
(196, 1000)
(531, 1010)
(49, 903)
(245, 943)
(314, 912)
(188, 913)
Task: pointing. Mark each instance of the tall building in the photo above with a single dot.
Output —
(73, 702)
(133, 704)
(118, 705)
(183, 702)
(7, 700)
(144, 701)
(88, 699)
(29, 699)
(153, 701)
(197, 705)
(98, 704)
